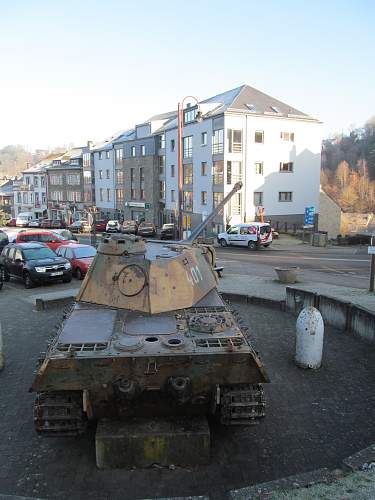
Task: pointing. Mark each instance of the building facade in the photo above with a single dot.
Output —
(245, 136)
(30, 192)
(6, 196)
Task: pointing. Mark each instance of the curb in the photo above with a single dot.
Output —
(253, 299)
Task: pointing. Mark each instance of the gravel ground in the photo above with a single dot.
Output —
(314, 419)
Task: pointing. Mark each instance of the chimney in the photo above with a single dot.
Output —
(90, 144)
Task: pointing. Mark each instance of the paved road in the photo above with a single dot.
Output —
(348, 266)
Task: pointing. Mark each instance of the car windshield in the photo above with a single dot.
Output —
(84, 252)
(59, 235)
(147, 224)
(38, 253)
(168, 226)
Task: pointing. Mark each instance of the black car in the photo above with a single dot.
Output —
(168, 232)
(34, 263)
(4, 240)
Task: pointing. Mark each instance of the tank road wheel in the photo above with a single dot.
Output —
(59, 414)
(223, 242)
(252, 245)
(242, 404)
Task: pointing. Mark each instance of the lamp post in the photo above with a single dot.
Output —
(180, 129)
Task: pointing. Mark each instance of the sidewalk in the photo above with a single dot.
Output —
(266, 288)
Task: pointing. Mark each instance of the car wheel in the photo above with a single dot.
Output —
(267, 245)
(223, 242)
(67, 280)
(28, 282)
(252, 245)
(6, 276)
(79, 274)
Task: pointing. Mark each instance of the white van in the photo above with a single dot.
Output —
(23, 219)
(250, 234)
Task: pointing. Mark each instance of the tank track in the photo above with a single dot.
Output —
(242, 404)
(59, 414)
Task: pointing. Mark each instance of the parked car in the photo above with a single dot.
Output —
(146, 229)
(34, 263)
(129, 227)
(4, 240)
(46, 223)
(113, 226)
(51, 238)
(58, 224)
(68, 235)
(79, 226)
(11, 222)
(168, 232)
(252, 235)
(35, 222)
(79, 256)
(101, 226)
(23, 219)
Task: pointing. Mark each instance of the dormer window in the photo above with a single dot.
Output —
(275, 109)
(251, 107)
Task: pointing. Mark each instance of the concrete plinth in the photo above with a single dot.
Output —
(143, 442)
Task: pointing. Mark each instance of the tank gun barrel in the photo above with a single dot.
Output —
(213, 214)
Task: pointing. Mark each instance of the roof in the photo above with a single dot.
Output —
(107, 143)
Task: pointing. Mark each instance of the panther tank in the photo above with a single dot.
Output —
(149, 336)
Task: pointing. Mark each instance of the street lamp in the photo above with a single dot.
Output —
(180, 120)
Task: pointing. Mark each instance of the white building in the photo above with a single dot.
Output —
(246, 135)
(30, 193)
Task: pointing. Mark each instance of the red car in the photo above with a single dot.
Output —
(101, 226)
(80, 257)
(51, 238)
(11, 223)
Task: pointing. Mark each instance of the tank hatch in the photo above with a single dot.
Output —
(127, 274)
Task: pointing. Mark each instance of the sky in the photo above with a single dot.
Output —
(72, 71)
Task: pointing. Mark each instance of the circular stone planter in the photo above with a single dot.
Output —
(287, 274)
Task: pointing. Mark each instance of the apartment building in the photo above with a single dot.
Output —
(246, 135)
(88, 172)
(6, 195)
(30, 192)
(65, 187)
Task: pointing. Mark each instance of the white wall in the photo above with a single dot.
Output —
(104, 183)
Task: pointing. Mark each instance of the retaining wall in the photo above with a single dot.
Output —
(342, 315)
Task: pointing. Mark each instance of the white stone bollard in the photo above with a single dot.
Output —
(1, 350)
(309, 338)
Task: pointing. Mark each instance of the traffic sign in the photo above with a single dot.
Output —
(309, 216)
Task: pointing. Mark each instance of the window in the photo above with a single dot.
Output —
(251, 107)
(73, 179)
(44, 199)
(101, 194)
(259, 136)
(285, 195)
(119, 195)
(204, 139)
(142, 183)
(188, 146)
(31, 197)
(100, 174)
(19, 198)
(234, 204)
(100, 155)
(172, 145)
(188, 173)
(132, 151)
(36, 181)
(107, 155)
(73, 196)
(258, 198)
(143, 150)
(173, 193)
(56, 180)
(190, 114)
(56, 195)
(42, 181)
(218, 142)
(172, 170)
(107, 174)
(259, 167)
(119, 176)
(132, 175)
(275, 109)
(218, 172)
(36, 199)
(203, 197)
(234, 141)
(87, 177)
(24, 198)
(203, 168)
(27, 180)
(161, 190)
(161, 165)
(217, 198)
(286, 167)
(161, 139)
(287, 136)
(119, 157)
(108, 194)
(132, 180)
(132, 193)
(74, 161)
(234, 171)
(188, 201)
(86, 159)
